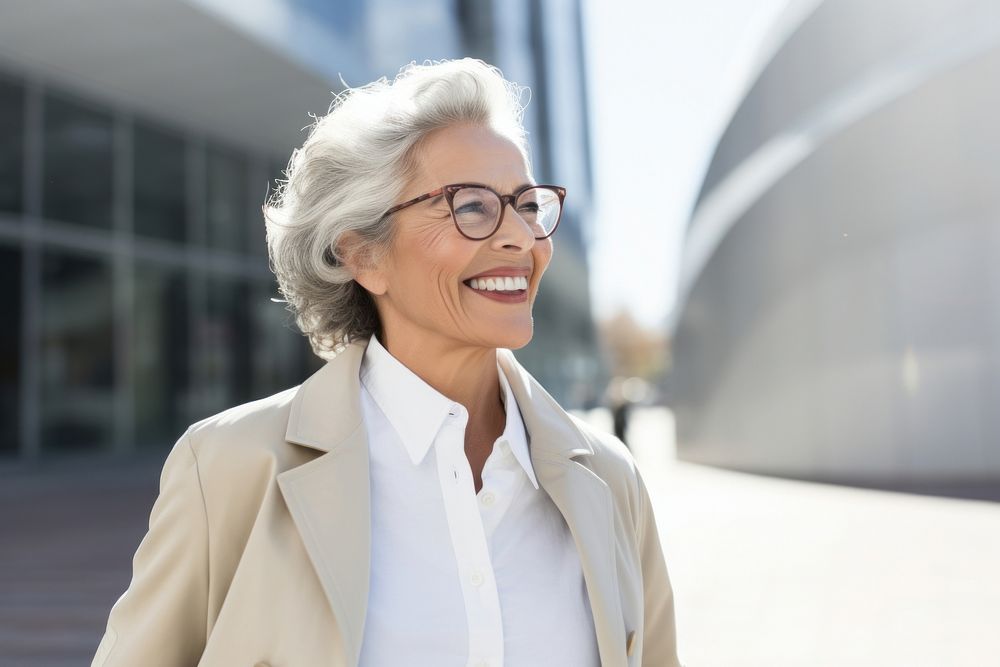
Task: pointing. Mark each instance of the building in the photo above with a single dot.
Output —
(133, 163)
(840, 289)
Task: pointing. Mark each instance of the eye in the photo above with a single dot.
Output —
(476, 206)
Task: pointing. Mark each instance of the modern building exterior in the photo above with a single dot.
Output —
(840, 304)
(133, 163)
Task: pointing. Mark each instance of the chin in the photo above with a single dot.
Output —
(514, 339)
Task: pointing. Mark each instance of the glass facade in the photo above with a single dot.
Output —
(77, 175)
(159, 176)
(271, 352)
(222, 345)
(10, 349)
(227, 210)
(11, 146)
(160, 367)
(77, 346)
(122, 331)
(345, 17)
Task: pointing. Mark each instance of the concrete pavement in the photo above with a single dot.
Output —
(772, 572)
(68, 535)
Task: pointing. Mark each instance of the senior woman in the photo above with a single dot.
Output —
(420, 500)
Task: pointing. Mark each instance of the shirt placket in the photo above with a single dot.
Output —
(465, 525)
(502, 480)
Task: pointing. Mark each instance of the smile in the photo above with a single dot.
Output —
(499, 283)
(500, 288)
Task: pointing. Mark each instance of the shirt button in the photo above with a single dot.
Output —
(488, 498)
(477, 579)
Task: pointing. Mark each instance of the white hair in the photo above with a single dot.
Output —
(353, 167)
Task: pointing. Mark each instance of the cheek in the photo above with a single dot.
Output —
(542, 254)
(439, 264)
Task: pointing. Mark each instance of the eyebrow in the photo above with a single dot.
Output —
(522, 186)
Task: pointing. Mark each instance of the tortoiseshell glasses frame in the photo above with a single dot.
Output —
(449, 192)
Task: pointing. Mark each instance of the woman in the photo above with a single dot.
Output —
(420, 500)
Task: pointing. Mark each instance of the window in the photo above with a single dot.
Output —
(160, 368)
(222, 347)
(77, 352)
(280, 350)
(76, 183)
(227, 215)
(159, 199)
(10, 349)
(11, 147)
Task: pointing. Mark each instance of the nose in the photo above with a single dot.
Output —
(514, 231)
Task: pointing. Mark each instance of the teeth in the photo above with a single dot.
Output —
(499, 284)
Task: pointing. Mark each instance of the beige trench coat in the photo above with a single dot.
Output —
(258, 546)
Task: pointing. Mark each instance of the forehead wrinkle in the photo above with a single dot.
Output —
(431, 176)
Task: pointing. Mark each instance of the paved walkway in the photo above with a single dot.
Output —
(775, 573)
(68, 536)
(765, 571)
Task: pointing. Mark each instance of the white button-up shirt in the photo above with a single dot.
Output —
(460, 579)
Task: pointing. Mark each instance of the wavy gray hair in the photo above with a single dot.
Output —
(352, 167)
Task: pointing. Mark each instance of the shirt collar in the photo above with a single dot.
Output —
(514, 432)
(416, 410)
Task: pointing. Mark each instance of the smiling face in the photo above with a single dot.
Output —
(424, 290)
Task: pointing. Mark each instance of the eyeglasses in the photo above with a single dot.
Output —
(477, 210)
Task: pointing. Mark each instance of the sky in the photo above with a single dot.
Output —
(663, 78)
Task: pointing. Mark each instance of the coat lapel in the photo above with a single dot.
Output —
(330, 503)
(583, 498)
(329, 497)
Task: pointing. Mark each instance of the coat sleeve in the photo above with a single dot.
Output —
(161, 618)
(659, 642)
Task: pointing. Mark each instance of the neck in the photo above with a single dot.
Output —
(467, 375)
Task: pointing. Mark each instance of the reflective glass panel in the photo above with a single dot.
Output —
(11, 146)
(161, 334)
(221, 349)
(77, 169)
(159, 184)
(10, 349)
(280, 351)
(77, 352)
(226, 213)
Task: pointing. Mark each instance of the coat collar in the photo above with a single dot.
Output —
(327, 407)
(329, 496)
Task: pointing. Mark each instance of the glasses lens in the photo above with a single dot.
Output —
(540, 208)
(476, 211)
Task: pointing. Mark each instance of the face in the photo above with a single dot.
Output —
(423, 290)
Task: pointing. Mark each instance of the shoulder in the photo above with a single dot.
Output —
(253, 428)
(266, 413)
(612, 461)
(607, 447)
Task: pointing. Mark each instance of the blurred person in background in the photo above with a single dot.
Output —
(619, 407)
(421, 499)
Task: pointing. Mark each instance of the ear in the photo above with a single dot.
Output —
(358, 262)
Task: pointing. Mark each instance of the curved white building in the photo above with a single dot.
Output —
(840, 306)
